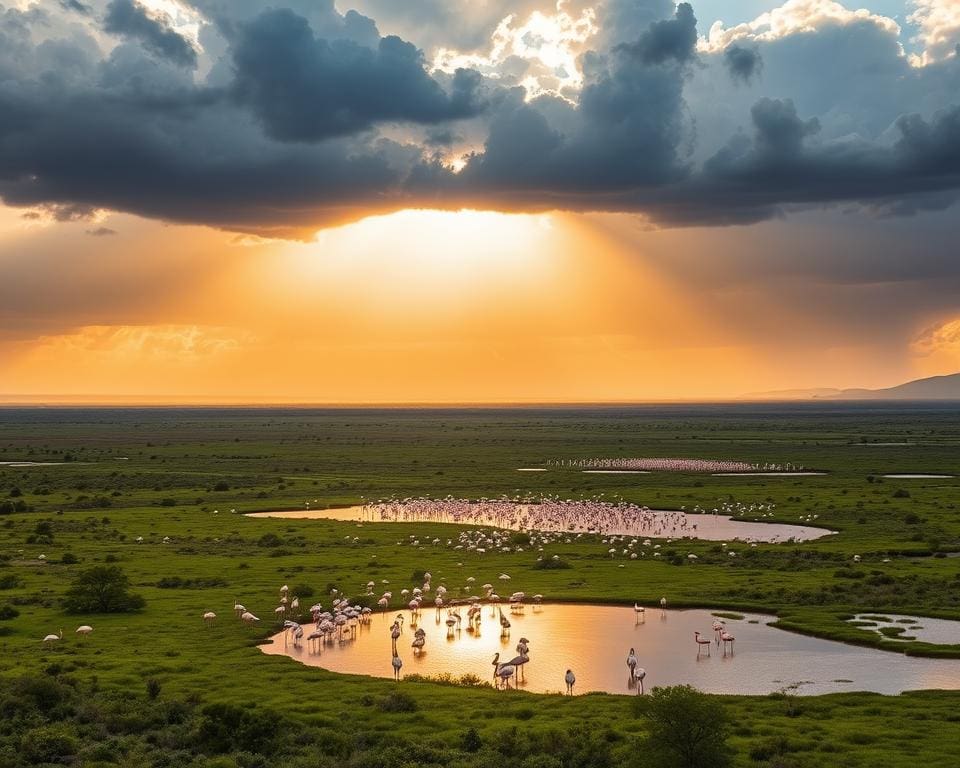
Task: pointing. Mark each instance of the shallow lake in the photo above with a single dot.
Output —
(594, 641)
(675, 525)
(939, 631)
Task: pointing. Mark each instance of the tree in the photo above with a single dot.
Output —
(687, 728)
(102, 589)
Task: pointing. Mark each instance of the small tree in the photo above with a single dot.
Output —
(687, 729)
(102, 589)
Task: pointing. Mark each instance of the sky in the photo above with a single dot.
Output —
(367, 201)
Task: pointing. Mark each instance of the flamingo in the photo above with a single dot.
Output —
(504, 625)
(640, 613)
(208, 618)
(53, 638)
(701, 642)
(717, 630)
(502, 672)
(570, 679)
(84, 630)
(636, 676)
(632, 661)
(249, 618)
(397, 662)
(518, 662)
(726, 637)
(663, 603)
(395, 631)
(419, 640)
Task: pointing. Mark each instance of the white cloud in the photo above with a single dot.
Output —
(793, 17)
(939, 23)
(538, 52)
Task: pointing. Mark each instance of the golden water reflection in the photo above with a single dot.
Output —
(594, 642)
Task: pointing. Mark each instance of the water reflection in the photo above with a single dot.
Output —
(594, 642)
(708, 527)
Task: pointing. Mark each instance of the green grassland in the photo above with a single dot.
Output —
(179, 473)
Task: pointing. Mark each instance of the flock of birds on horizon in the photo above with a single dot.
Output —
(548, 516)
(672, 465)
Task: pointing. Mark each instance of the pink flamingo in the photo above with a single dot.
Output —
(701, 642)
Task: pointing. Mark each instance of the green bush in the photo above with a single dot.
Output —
(397, 701)
(101, 589)
(48, 744)
(686, 728)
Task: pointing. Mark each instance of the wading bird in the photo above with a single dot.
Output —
(570, 679)
(397, 662)
(53, 638)
(84, 630)
(726, 637)
(701, 642)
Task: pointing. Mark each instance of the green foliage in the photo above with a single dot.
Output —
(101, 589)
(227, 727)
(470, 740)
(686, 729)
(8, 507)
(397, 701)
(48, 744)
(549, 564)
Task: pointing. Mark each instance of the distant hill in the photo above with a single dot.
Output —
(932, 388)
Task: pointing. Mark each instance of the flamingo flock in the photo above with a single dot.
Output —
(673, 465)
(549, 519)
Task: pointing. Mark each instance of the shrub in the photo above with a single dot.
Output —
(470, 740)
(222, 485)
(9, 507)
(397, 701)
(9, 581)
(69, 559)
(8, 612)
(102, 589)
(686, 728)
(48, 744)
(901, 493)
(551, 565)
(227, 727)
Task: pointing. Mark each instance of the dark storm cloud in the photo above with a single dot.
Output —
(674, 38)
(743, 63)
(304, 88)
(76, 6)
(287, 132)
(129, 18)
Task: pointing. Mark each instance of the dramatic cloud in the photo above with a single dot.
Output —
(743, 63)
(668, 39)
(129, 18)
(304, 88)
(280, 118)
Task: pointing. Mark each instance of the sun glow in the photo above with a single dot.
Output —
(540, 52)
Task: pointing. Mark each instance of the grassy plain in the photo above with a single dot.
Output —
(178, 473)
